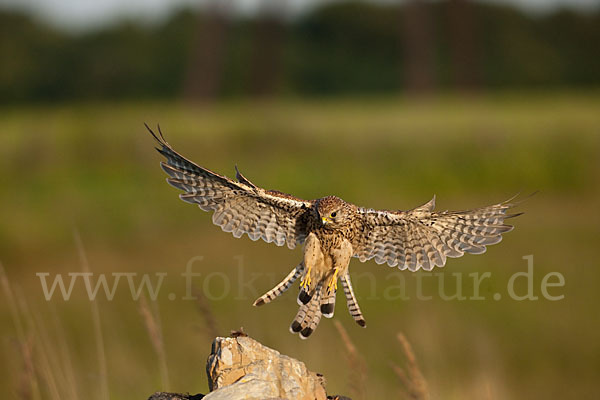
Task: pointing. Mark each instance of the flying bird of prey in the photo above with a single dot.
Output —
(332, 232)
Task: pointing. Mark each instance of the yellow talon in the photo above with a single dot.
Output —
(306, 280)
(333, 281)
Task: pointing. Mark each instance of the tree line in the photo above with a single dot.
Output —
(349, 48)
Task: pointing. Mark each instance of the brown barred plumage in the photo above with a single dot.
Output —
(422, 238)
(281, 286)
(351, 300)
(332, 231)
(309, 315)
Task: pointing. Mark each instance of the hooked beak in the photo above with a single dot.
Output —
(325, 220)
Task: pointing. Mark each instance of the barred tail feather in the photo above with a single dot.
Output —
(281, 286)
(303, 297)
(327, 302)
(313, 317)
(351, 300)
(307, 293)
(308, 316)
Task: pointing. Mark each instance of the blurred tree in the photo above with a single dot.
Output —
(339, 48)
(574, 40)
(463, 43)
(267, 45)
(418, 47)
(208, 52)
(343, 48)
(32, 59)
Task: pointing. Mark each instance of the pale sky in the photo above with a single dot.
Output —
(84, 14)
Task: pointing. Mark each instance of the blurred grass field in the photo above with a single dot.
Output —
(92, 167)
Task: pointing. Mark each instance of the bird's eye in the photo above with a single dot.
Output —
(333, 214)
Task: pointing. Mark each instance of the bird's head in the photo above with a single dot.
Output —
(333, 212)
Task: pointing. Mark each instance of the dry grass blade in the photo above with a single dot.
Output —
(415, 386)
(12, 304)
(51, 357)
(153, 327)
(28, 386)
(356, 364)
(97, 325)
(204, 308)
(63, 350)
(44, 354)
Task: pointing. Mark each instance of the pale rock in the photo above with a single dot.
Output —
(241, 368)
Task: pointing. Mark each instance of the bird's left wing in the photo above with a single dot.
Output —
(423, 238)
(239, 207)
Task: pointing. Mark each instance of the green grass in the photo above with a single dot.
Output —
(92, 167)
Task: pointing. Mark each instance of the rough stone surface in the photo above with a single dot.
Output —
(242, 368)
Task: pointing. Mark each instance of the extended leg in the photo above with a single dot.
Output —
(340, 258)
(313, 264)
(332, 285)
(281, 286)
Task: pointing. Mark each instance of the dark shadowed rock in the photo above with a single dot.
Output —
(175, 396)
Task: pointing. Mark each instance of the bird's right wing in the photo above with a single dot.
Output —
(239, 207)
(423, 238)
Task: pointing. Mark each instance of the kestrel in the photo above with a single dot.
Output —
(332, 232)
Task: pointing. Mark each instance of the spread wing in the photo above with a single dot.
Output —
(239, 207)
(422, 238)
